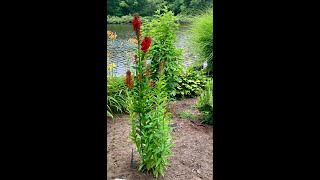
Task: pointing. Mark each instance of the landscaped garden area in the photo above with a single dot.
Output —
(160, 96)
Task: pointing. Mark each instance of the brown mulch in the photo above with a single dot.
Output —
(192, 151)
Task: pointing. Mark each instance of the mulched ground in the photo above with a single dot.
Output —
(192, 151)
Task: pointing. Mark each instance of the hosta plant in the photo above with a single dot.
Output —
(191, 83)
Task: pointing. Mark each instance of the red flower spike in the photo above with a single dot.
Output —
(136, 23)
(145, 44)
(129, 81)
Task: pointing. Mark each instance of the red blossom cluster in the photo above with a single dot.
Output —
(129, 81)
(145, 44)
(136, 24)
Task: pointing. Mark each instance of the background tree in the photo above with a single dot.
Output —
(148, 7)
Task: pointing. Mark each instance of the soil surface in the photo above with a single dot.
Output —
(192, 150)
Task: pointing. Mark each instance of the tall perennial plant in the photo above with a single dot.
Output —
(150, 130)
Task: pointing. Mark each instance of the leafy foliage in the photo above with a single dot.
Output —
(119, 19)
(163, 52)
(116, 95)
(202, 38)
(150, 130)
(147, 7)
(191, 83)
(181, 19)
(205, 103)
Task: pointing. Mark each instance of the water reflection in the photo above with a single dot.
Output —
(122, 50)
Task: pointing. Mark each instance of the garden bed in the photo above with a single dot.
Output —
(192, 150)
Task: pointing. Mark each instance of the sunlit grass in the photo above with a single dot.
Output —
(202, 38)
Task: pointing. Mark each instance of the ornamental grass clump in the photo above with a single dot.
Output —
(147, 99)
(202, 39)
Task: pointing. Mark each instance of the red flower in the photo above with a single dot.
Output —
(145, 44)
(129, 81)
(136, 23)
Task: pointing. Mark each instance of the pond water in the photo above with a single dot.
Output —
(121, 49)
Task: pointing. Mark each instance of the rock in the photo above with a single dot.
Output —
(198, 171)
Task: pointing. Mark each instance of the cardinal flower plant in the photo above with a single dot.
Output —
(147, 99)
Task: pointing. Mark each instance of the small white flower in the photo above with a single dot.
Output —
(205, 64)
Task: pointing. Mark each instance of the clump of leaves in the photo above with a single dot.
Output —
(163, 52)
(205, 103)
(191, 83)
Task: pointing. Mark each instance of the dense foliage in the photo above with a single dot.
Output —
(116, 95)
(180, 18)
(147, 100)
(163, 53)
(205, 103)
(147, 7)
(202, 38)
(191, 83)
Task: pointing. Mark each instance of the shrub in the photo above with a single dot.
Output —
(191, 83)
(119, 20)
(205, 103)
(125, 19)
(163, 30)
(202, 38)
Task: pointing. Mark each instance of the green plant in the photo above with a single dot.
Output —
(191, 83)
(202, 38)
(116, 95)
(187, 115)
(205, 103)
(163, 53)
(150, 130)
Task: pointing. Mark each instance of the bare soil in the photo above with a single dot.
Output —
(192, 151)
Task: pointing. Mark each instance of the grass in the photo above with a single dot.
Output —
(187, 115)
(202, 38)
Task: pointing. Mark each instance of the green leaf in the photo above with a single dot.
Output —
(161, 170)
